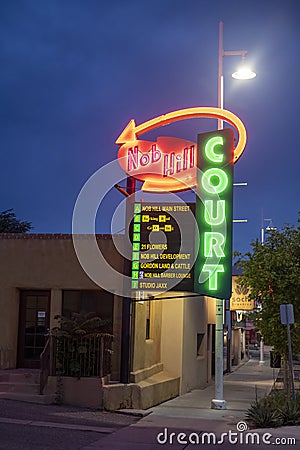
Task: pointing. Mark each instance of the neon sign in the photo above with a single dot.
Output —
(213, 273)
(169, 164)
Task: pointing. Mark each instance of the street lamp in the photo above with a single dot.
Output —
(242, 73)
(269, 227)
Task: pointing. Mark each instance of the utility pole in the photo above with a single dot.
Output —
(127, 303)
(219, 402)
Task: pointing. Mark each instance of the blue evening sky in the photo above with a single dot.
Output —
(74, 72)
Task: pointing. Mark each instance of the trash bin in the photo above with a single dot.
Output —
(275, 360)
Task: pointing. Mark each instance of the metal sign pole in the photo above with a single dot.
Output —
(290, 359)
(218, 402)
(126, 307)
(287, 318)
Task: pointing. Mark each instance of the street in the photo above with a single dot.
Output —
(30, 426)
(16, 437)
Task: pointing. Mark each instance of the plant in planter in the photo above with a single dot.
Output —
(82, 345)
(289, 412)
(261, 415)
(276, 409)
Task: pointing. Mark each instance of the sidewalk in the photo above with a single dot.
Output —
(191, 413)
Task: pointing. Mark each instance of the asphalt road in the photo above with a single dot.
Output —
(24, 437)
(27, 426)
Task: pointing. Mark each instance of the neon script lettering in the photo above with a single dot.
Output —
(170, 163)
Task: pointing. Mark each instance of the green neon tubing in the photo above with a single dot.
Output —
(214, 212)
(222, 182)
(213, 270)
(214, 244)
(210, 149)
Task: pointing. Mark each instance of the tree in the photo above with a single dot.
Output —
(272, 271)
(10, 224)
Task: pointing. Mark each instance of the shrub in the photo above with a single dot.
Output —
(276, 409)
(261, 415)
(289, 413)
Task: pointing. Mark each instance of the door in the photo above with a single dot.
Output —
(34, 322)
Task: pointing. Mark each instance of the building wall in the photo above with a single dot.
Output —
(194, 323)
(45, 262)
(182, 320)
(172, 336)
(49, 262)
(199, 312)
(9, 318)
(146, 352)
(175, 325)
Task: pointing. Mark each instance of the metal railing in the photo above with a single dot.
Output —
(45, 365)
(82, 356)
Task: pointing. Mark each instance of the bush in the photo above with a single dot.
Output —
(261, 415)
(274, 410)
(290, 413)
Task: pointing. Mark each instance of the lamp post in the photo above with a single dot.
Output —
(126, 303)
(269, 227)
(243, 73)
(263, 229)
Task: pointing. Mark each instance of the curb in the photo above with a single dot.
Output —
(65, 426)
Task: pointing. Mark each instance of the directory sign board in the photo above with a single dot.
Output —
(162, 246)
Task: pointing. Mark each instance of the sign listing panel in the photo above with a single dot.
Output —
(162, 246)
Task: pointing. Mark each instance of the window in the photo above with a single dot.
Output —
(200, 344)
(85, 302)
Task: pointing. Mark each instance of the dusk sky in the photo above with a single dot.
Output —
(74, 72)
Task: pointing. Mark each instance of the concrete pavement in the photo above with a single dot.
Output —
(191, 415)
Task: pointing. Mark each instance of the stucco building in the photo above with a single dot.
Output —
(172, 340)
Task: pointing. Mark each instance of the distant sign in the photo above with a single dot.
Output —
(240, 300)
(287, 314)
(161, 259)
(238, 319)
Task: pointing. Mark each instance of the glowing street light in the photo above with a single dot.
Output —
(242, 73)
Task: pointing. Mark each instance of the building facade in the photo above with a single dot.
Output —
(172, 340)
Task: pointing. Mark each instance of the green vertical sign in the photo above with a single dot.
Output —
(213, 266)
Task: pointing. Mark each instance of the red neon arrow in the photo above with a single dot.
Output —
(131, 131)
